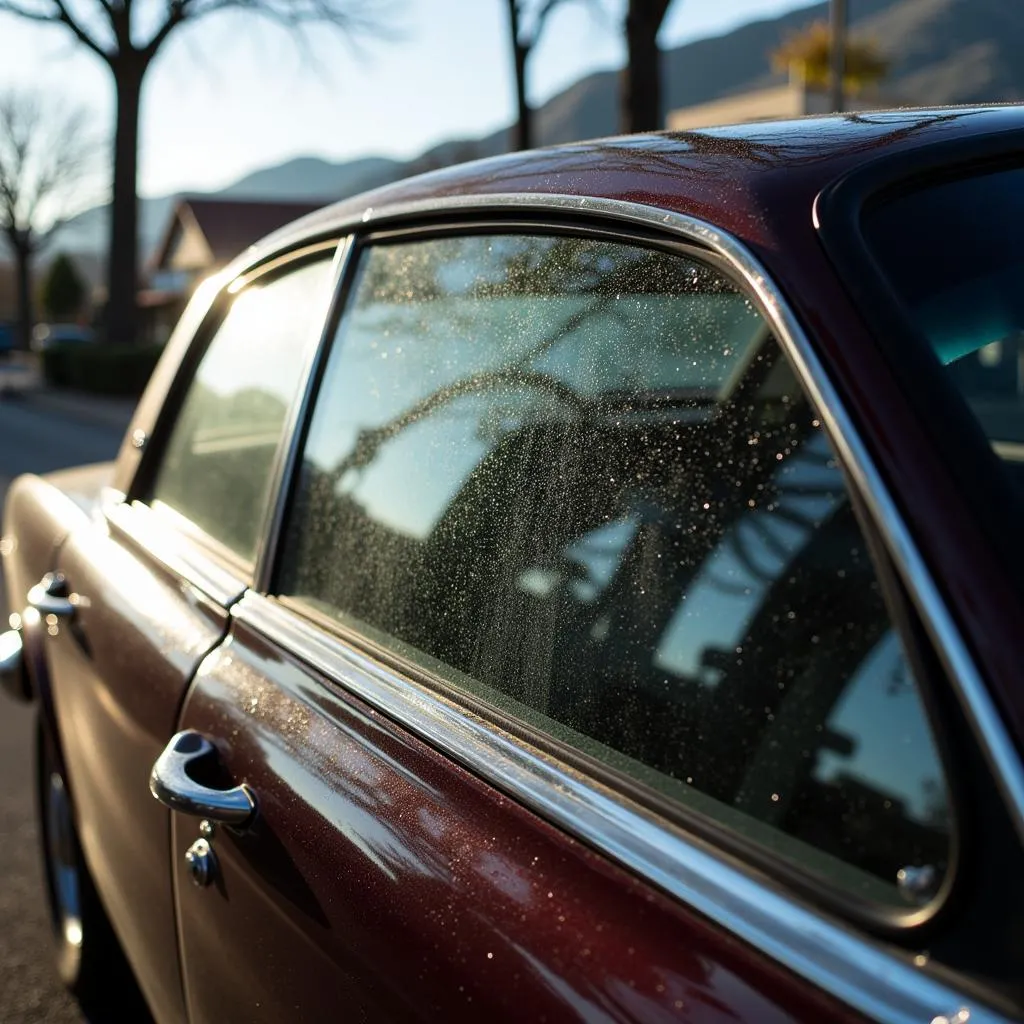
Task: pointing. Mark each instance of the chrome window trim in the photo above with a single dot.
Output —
(170, 537)
(215, 296)
(288, 452)
(858, 971)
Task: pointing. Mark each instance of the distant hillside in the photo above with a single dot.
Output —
(942, 51)
(310, 177)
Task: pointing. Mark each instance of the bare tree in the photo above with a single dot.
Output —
(44, 151)
(116, 32)
(641, 92)
(526, 22)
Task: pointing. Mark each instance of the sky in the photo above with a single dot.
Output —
(233, 93)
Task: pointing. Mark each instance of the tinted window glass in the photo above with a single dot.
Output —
(952, 252)
(579, 480)
(217, 467)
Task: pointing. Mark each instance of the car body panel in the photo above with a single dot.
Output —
(38, 516)
(119, 671)
(373, 850)
(37, 519)
(89, 486)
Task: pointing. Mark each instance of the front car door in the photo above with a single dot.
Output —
(576, 659)
(152, 584)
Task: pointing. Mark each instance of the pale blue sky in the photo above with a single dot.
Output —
(232, 93)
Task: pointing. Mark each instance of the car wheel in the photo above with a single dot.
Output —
(89, 958)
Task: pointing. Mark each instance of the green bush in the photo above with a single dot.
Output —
(121, 370)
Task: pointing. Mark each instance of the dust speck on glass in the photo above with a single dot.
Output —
(216, 469)
(579, 480)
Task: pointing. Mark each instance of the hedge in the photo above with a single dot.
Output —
(100, 369)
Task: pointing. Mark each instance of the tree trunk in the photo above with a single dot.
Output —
(523, 130)
(524, 124)
(641, 93)
(23, 271)
(121, 319)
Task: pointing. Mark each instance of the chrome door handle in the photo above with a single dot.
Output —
(171, 783)
(52, 596)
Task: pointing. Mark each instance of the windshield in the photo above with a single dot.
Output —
(952, 251)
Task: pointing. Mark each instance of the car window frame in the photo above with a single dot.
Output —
(885, 920)
(168, 534)
(857, 969)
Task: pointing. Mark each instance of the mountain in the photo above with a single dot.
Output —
(952, 51)
(310, 177)
(941, 51)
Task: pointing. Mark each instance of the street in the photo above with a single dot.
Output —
(31, 440)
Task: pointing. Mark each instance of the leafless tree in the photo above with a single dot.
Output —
(641, 92)
(45, 151)
(126, 37)
(526, 22)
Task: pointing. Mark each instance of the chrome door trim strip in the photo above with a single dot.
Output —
(860, 972)
(177, 553)
(857, 971)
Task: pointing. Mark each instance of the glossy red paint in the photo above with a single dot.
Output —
(119, 671)
(384, 878)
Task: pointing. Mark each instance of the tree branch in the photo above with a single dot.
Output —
(545, 10)
(63, 15)
(177, 12)
(33, 14)
(356, 17)
(44, 151)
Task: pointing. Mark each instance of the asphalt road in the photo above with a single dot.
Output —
(31, 441)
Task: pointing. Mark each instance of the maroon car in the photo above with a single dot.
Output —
(583, 585)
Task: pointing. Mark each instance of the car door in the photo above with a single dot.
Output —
(152, 583)
(579, 686)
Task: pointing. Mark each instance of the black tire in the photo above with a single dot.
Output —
(89, 958)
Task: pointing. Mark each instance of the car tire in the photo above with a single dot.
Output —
(89, 958)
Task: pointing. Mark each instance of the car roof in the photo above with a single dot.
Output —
(740, 178)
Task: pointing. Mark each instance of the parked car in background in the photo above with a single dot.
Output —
(581, 585)
(46, 336)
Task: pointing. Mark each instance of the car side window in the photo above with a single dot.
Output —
(578, 480)
(216, 468)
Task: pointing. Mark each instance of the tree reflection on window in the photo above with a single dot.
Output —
(582, 477)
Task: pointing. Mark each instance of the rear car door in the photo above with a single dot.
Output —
(151, 585)
(576, 659)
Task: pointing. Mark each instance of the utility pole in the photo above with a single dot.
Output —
(838, 19)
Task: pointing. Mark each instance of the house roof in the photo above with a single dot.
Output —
(205, 233)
